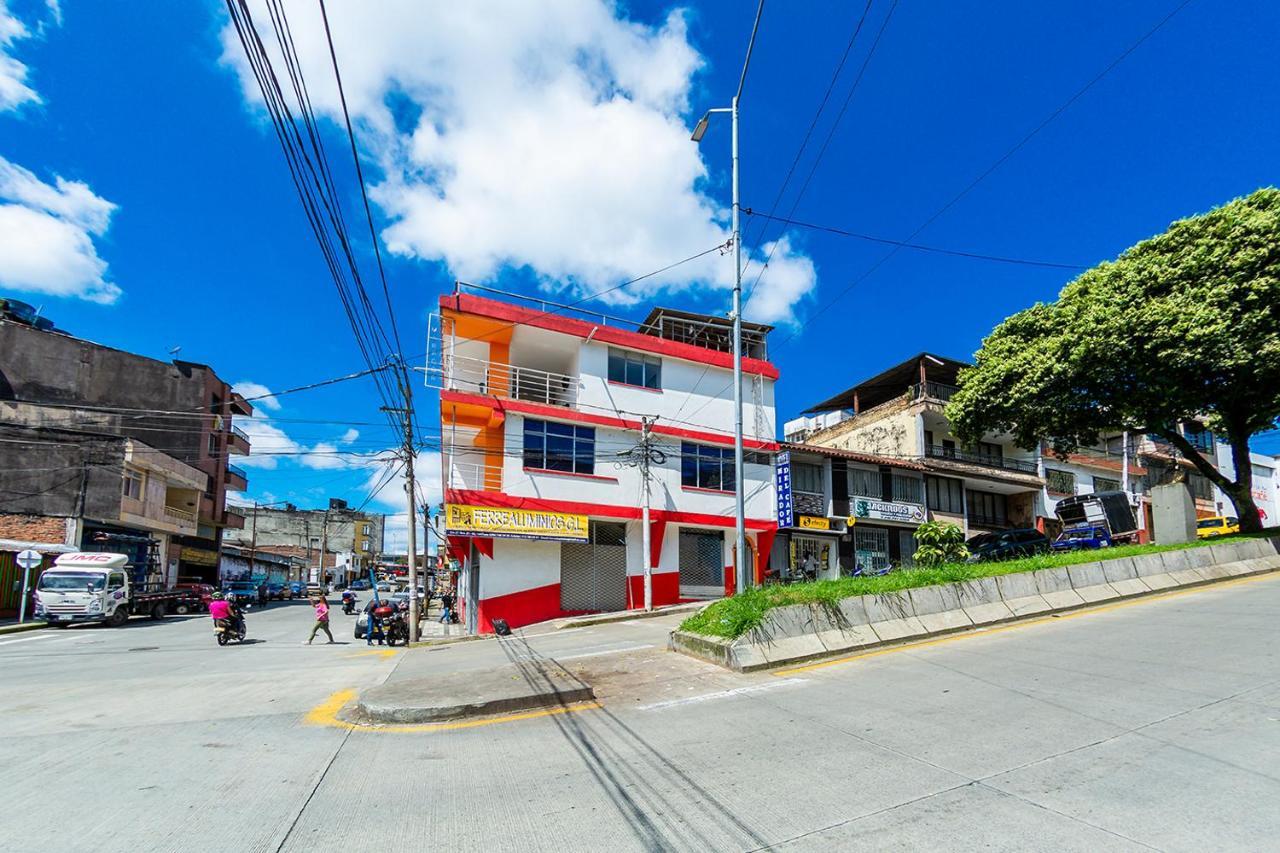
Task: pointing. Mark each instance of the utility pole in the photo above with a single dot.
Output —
(642, 456)
(253, 540)
(745, 576)
(410, 456)
(324, 546)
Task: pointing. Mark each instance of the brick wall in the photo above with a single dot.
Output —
(33, 528)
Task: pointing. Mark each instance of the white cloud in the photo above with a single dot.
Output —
(46, 236)
(350, 436)
(557, 141)
(14, 91)
(257, 389)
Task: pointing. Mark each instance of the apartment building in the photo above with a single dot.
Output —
(337, 529)
(539, 410)
(83, 489)
(841, 511)
(180, 409)
(898, 414)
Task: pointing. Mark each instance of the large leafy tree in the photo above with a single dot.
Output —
(1183, 325)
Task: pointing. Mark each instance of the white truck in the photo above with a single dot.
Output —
(96, 587)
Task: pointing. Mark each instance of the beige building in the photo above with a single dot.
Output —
(898, 414)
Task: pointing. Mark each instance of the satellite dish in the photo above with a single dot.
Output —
(175, 350)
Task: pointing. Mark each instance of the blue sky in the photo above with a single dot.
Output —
(209, 250)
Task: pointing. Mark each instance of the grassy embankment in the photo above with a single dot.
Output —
(733, 617)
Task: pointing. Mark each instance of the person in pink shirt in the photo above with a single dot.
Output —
(219, 608)
(322, 619)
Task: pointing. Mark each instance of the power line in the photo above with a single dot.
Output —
(917, 246)
(1017, 146)
(857, 81)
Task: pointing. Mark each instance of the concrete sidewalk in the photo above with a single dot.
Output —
(13, 626)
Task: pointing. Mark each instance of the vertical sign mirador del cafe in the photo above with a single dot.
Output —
(782, 474)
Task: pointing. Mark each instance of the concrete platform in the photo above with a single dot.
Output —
(515, 687)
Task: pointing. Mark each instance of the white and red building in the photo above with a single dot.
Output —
(541, 510)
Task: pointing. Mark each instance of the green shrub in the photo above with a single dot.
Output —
(939, 542)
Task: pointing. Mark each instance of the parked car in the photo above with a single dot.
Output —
(250, 591)
(360, 583)
(1218, 525)
(1007, 544)
(385, 586)
(1084, 536)
(198, 600)
(297, 589)
(278, 591)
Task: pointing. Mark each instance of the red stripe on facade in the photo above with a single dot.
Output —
(560, 413)
(470, 304)
(498, 499)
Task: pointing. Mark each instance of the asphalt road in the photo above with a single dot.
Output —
(1153, 725)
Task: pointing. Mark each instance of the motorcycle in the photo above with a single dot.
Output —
(228, 630)
(349, 603)
(393, 624)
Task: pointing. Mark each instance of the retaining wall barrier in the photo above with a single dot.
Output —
(804, 632)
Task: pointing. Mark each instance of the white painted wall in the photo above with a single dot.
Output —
(1266, 489)
(519, 564)
(621, 487)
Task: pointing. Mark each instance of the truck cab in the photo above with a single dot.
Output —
(84, 587)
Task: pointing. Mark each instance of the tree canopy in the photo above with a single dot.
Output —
(1183, 325)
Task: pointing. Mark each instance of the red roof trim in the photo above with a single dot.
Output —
(500, 499)
(573, 415)
(470, 304)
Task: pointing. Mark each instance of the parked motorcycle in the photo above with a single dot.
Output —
(394, 625)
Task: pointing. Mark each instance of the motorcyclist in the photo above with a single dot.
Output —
(348, 602)
(235, 614)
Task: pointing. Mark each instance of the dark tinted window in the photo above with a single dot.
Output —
(559, 447)
(632, 368)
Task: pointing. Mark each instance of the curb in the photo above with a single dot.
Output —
(802, 633)
(19, 628)
(388, 705)
(629, 615)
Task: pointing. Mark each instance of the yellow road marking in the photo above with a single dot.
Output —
(326, 714)
(384, 653)
(999, 629)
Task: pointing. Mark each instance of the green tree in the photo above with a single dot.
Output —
(1183, 325)
(939, 542)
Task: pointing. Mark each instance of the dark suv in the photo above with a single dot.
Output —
(1007, 544)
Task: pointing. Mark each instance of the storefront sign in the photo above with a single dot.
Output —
(462, 520)
(864, 508)
(813, 522)
(198, 556)
(782, 476)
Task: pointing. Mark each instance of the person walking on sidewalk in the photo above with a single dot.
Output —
(322, 619)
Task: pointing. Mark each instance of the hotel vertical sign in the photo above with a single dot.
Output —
(782, 474)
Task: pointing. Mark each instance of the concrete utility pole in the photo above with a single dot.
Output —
(410, 456)
(744, 573)
(253, 540)
(324, 546)
(645, 546)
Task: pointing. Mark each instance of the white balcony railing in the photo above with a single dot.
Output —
(478, 376)
(475, 476)
(181, 514)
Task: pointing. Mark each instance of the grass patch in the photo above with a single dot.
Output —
(733, 617)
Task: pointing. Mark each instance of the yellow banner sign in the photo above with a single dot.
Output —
(812, 522)
(464, 520)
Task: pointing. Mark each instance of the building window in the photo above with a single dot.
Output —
(1201, 488)
(1199, 437)
(559, 447)
(632, 368)
(865, 484)
(945, 495)
(908, 489)
(367, 529)
(990, 454)
(364, 545)
(134, 482)
(1105, 484)
(1060, 482)
(806, 477)
(213, 444)
(706, 467)
(988, 510)
(871, 548)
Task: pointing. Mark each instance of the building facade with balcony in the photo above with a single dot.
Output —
(841, 512)
(181, 409)
(898, 414)
(538, 410)
(99, 488)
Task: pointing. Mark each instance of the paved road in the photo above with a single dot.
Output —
(1151, 725)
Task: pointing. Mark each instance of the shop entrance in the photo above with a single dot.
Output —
(871, 548)
(593, 574)
(701, 564)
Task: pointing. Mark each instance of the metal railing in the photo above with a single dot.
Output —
(178, 512)
(984, 520)
(479, 376)
(933, 391)
(235, 430)
(475, 476)
(990, 460)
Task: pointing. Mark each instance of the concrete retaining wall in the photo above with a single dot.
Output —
(802, 632)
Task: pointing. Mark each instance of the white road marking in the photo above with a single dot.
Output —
(605, 652)
(25, 639)
(723, 694)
